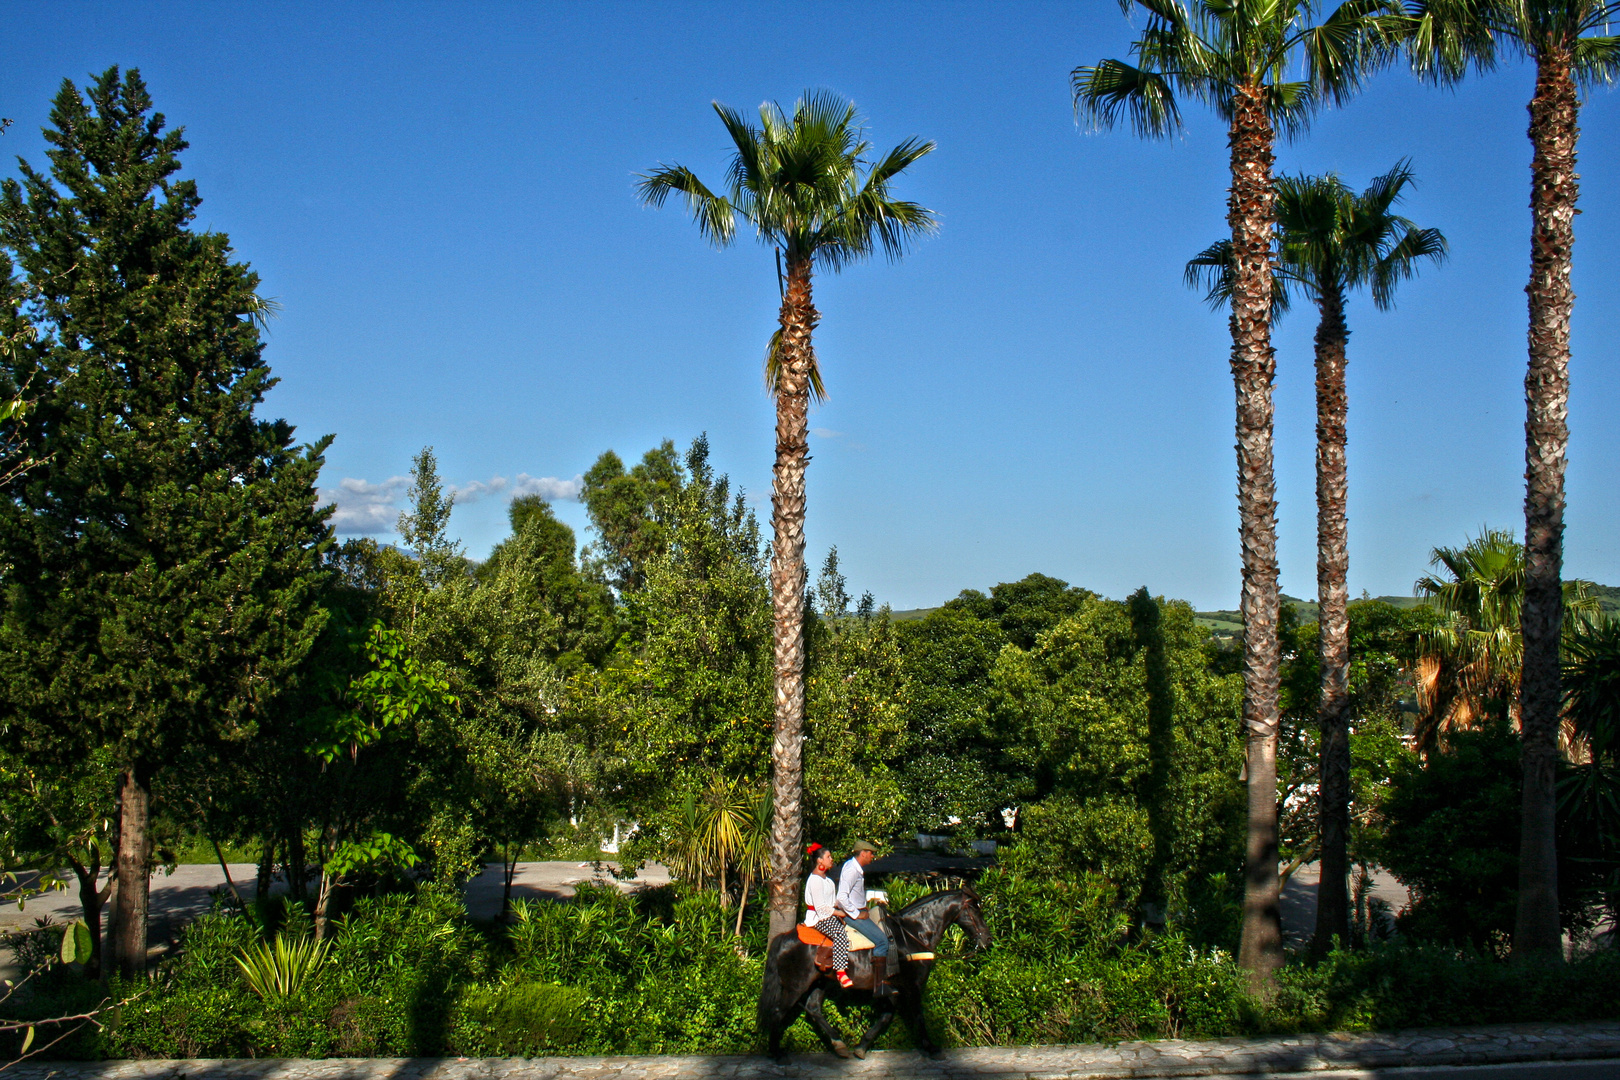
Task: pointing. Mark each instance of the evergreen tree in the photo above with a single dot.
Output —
(162, 562)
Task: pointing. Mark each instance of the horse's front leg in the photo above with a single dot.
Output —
(818, 1020)
(882, 1017)
(909, 999)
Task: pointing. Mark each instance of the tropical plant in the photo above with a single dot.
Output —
(1570, 43)
(806, 186)
(278, 970)
(1590, 795)
(1470, 665)
(1331, 241)
(1264, 66)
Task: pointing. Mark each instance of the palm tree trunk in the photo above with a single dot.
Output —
(1554, 111)
(1332, 592)
(1251, 216)
(787, 593)
(134, 880)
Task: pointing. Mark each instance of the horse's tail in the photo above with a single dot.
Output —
(770, 991)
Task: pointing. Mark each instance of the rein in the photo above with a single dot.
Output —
(923, 907)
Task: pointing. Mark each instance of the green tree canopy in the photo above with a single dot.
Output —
(165, 556)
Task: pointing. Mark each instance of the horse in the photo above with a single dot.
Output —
(794, 984)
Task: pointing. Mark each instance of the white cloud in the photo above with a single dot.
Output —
(477, 489)
(549, 487)
(364, 508)
(826, 433)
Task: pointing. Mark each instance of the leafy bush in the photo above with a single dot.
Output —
(524, 1019)
(660, 972)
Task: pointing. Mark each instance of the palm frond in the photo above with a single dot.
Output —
(1400, 264)
(773, 370)
(1445, 38)
(715, 216)
(1213, 271)
(1291, 105)
(1113, 90)
(1597, 60)
(1359, 37)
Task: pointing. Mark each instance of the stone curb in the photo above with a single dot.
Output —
(1167, 1058)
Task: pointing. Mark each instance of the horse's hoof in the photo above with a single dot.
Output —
(860, 1052)
(840, 1049)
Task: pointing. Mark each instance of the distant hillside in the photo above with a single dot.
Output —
(1231, 622)
(1609, 597)
(1225, 623)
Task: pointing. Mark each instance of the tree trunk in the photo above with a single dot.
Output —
(134, 880)
(323, 904)
(787, 593)
(91, 896)
(508, 872)
(296, 865)
(1333, 597)
(1252, 218)
(1553, 115)
(267, 871)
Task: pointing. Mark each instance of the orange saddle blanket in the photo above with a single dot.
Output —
(811, 936)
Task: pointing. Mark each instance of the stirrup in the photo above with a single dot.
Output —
(845, 981)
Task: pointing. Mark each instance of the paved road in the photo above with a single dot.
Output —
(1507, 1052)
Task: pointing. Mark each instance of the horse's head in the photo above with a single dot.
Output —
(971, 919)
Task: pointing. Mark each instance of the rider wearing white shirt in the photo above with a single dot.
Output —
(821, 910)
(852, 909)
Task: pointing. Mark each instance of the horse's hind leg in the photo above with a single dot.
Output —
(882, 1017)
(777, 1028)
(818, 1020)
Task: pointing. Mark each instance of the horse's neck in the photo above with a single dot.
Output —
(929, 925)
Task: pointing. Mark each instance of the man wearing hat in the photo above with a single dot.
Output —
(852, 909)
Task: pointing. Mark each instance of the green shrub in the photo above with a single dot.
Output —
(661, 973)
(523, 1018)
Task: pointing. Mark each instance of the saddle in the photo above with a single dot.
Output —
(811, 936)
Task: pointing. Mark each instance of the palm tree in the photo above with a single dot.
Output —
(1571, 47)
(1238, 57)
(1330, 241)
(1472, 665)
(806, 186)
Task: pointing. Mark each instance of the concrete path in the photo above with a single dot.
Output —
(1299, 901)
(1463, 1054)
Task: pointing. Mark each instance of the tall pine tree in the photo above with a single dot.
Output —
(161, 566)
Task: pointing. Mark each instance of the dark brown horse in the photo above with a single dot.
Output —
(794, 984)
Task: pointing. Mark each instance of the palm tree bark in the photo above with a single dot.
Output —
(134, 879)
(1251, 216)
(1554, 111)
(1332, 592)
(788, 577)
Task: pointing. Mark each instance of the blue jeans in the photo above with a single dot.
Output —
(880, 943)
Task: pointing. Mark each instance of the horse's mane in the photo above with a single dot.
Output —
(930, 898)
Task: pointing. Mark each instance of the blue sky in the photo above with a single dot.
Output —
(441, 198)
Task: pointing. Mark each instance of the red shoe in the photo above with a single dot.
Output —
(845, 981)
